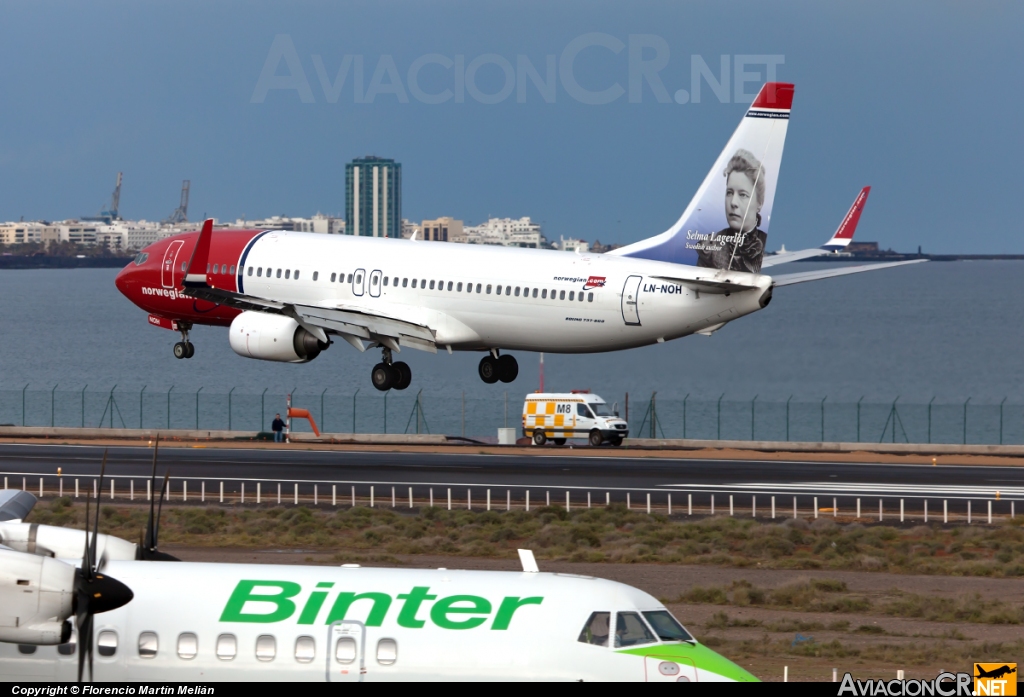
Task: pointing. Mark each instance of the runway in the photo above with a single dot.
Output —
(560, 470)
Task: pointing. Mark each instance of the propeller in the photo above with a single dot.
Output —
(148, 546)
(94, 592)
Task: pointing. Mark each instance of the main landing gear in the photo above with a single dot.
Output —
(494, 367)
(184, 348)
(390, 376)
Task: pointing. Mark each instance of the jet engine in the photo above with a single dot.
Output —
(36, 598)
(62, 543)
(273, 338)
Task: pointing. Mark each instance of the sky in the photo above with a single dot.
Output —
(584, 116)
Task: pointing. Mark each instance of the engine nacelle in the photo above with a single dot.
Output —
(273, 338)
(36, 597)
(62, 543)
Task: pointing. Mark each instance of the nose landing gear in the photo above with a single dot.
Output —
(184, 348)
(494, 368)
(387, 375)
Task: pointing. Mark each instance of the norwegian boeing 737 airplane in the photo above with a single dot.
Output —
(286, 295)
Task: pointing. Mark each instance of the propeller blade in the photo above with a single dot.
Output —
(96, 526)
(160, 510)
(86, 558)
(151, 522)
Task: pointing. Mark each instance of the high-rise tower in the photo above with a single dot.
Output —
(373, 197)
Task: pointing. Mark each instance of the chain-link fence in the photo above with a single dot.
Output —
(789, 419)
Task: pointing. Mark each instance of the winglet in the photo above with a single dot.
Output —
(844, 233)
(195, 275)
(528, 561)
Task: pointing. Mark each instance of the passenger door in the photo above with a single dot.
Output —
(630, 296)
(167, 269)
(358, 280)
(375, 278)
(346, 661)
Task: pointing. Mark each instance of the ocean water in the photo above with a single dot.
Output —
(946, 331)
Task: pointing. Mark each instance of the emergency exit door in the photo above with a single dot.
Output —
(630, 295)
(345, 651)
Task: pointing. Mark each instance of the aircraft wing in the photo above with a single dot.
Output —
(842, 237)
(794, 278)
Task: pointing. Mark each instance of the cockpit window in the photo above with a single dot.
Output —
(630, 630)
(666, 626)
(141, 258)
(595, 631)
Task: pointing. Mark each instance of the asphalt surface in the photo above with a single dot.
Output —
(555, 472)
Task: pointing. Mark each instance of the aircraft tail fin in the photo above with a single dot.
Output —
(744, 176)
(844, 233)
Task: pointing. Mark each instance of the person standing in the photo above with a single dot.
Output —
(278, 428)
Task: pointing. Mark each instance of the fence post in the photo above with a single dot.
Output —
(730, 505)
(168, 407)
(945, 511)
(197, 406)
(926, 510)
(712, 504)
(684, 414)
(669, 502)
(720, 417)
(263, 410)
(773, 508)
(752, 402)
(965, 422)
(689, 504)
(858, 509)
(823, 418)
(858, 417)
(55, 390)
(410, 497)
(794, 506)
(229, 413)
(968, 512)
(83, 405)
(990, 512)
(1001, 420)
(648, 502)
(753, 506)
(815, 507)
(23, 403)
(787, 417)
(221, 491)
(879, 510)
(901, 510)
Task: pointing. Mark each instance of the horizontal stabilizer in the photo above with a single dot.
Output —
(790, 279)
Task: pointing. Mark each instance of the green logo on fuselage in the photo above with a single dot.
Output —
(450, 612)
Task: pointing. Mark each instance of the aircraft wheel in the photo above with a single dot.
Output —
(559, 441)
(596, 438)
(181, 350)
(508, 368)
(191, 349)
(489, 369)
(404, 373)
(539, 438)
(383, 377)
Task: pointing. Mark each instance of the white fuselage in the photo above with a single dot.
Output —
(616, 302)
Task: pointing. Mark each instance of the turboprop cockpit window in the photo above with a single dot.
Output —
(630, 630)
(595, 631)
(666, 626)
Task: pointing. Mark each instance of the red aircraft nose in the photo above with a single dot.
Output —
(122, 279)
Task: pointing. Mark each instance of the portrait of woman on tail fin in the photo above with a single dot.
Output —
(739, 247)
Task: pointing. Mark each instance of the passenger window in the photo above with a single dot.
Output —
(431, 285)
(350, 278)
(148, 644)
(345, 650)
(478, 286)
(423, 283)
(581, 296)
(561, 295)
(266, 647)
(305, 649)
(414, 283)
(232, 270)
(333, 276)
(405, 282)
(359, 278)
(184, 266)
(387, 651)
(630, 630)
(450, 285)
(316, 275)
(544, 294)
(385, 280)
(440, 285)
(535, 292)
(571, 294)
(227, 647)
(666, 626)
(590, 297)
(459, 287)
(259, 271)
(249, 273)
(595, 631)
(106, 642)
(287, 274)
(207, 268)
(581, 410)
(188, 646)
(67, 649)
(508, 290)
(27, 649)
(497, 291)
(296, 274)
(373, 280)
(279, 273)
(488, 288)
(517, 291)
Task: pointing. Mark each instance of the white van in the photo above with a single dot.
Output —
(577, 414)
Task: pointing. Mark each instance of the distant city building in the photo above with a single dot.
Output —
(319, 223)
(409, 229)
(507, 232)
(373, 197)
(443, 230)
(23, 233)
(571, 244)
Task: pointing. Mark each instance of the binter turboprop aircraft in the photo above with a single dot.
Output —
(152, 618)
(284, 295)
